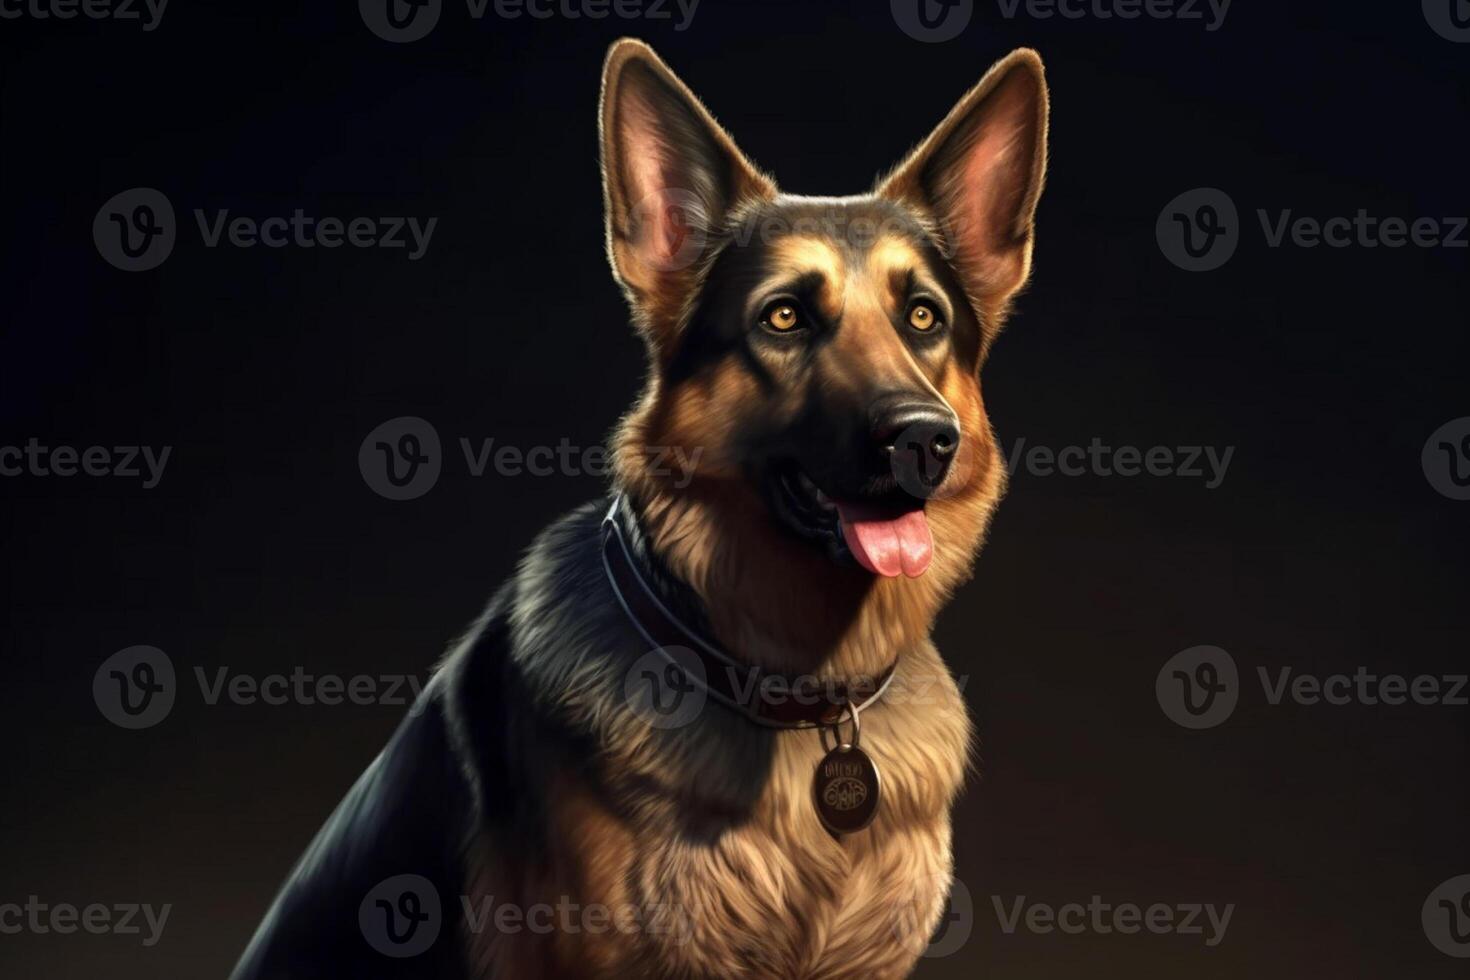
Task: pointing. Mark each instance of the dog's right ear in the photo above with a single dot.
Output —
(980, 175)
(670, 177)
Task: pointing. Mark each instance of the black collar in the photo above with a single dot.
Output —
(765, 697)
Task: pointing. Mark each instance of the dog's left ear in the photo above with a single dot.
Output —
(979, 176)
(670, 177)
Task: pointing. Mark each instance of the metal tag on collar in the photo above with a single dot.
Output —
(847, 787)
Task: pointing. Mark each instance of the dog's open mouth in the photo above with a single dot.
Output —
(886, 538)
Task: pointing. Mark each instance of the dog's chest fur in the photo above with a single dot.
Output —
(708, 835)
(777, 896)
(769, 896)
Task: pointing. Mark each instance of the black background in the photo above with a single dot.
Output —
(1325, 548)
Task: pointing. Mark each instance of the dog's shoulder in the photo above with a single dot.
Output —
(520, 650)
(395, 831)
(509, 686)
(458, 761)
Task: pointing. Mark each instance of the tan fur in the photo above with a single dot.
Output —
(776, 897)
(773, 895)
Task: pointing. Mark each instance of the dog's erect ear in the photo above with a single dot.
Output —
(979, 175)
(670, 176)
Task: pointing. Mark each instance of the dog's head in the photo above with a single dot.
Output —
(822, 355)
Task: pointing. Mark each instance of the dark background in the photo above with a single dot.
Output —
(263, 549)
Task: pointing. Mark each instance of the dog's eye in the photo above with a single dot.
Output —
(923, 317)
(782, 317)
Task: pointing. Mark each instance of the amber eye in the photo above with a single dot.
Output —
(782, 317)
(923, 317)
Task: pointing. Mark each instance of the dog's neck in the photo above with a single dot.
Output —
(764, 596)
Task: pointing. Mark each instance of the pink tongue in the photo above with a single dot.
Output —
(888, 547)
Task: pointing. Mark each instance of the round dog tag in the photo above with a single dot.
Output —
(846, 789)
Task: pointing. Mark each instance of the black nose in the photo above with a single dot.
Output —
(920, 439)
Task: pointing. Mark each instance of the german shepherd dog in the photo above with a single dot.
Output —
(532, 817)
